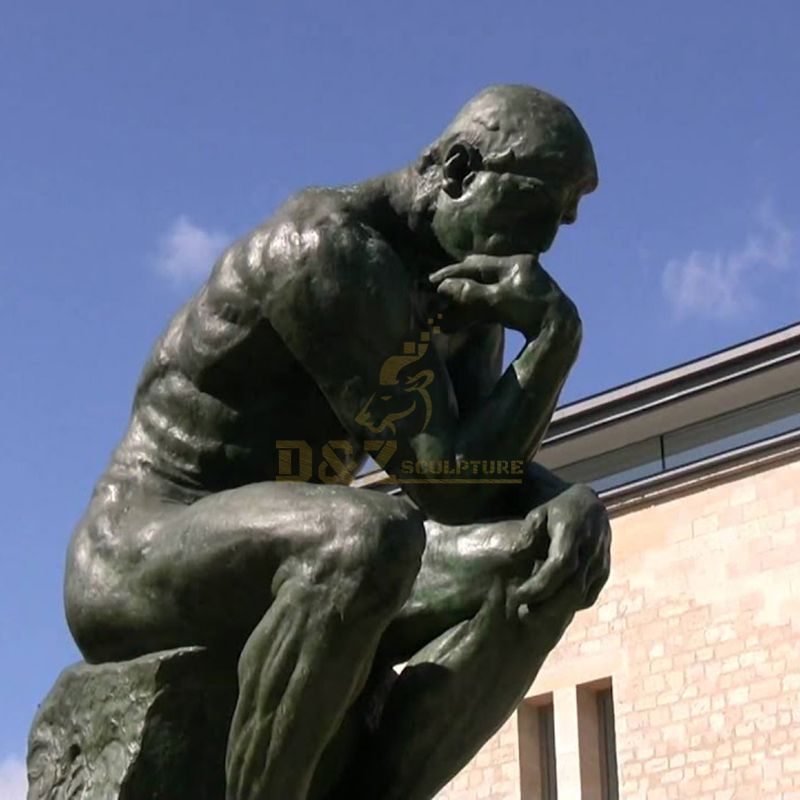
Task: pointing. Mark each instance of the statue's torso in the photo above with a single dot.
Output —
(218, 392)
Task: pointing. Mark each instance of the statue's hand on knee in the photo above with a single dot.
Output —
(575, 523)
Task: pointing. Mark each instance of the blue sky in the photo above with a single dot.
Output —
(138, 138)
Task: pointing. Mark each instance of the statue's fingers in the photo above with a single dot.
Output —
(551, 617)
(594, 549)
(536, 532)
(467, 293)
(537, 517)
(482, 270)
(595, 566)
(554, 573)
(596, 585)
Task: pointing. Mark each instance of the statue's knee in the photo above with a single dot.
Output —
(380, 547)
(398, 552)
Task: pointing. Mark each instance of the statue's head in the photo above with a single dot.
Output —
(514, 164)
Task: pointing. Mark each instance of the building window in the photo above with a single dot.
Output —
(537, 749)
(597, 741)
(617, 467)
(547, 752)
(609, 784)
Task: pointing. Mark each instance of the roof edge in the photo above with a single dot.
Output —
(696, 371)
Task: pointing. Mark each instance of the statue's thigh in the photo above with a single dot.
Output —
(206, 571)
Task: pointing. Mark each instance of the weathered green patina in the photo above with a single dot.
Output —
(361, 319)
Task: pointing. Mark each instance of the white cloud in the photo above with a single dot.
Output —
(187, 252)
(719, 285)
(13, 779)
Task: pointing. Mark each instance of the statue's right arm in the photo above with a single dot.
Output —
(340, 299)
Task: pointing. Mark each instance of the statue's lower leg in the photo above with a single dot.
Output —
(453, 695)
(300, 671)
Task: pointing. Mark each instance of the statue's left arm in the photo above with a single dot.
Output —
(572, 517)
(475, 365)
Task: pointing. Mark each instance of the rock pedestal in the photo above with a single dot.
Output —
(154, 728)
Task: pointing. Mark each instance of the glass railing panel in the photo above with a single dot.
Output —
(735, 429)
(623, 465)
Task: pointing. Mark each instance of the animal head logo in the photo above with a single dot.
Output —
(402, 389)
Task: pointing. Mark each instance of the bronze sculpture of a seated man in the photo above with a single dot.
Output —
(308, 338)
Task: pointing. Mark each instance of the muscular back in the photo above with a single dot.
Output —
(220, 387)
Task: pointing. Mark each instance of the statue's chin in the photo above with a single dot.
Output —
(453, 321)
(499, 245)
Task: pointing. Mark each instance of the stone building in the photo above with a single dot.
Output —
(683, 681)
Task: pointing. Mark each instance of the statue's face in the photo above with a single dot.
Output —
(506, 213)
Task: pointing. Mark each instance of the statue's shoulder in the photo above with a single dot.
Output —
(319, 229)
(320, 252)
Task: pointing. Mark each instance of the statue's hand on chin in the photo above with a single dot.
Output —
(514, 291)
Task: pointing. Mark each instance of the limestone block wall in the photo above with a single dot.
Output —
(699, 631)
(494, 773)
